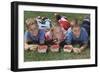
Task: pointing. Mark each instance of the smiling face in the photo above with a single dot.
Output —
(33, 29)
(58, 33)
(32, 26)
(76, 31)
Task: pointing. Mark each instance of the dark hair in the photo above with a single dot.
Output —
(57, 16)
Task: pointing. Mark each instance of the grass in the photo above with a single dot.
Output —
(50, 15)
(35, 56)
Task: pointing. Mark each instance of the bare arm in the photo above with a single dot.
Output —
(83, 47)
(30, 46)
(26, 46)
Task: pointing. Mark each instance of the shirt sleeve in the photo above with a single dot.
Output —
(47, 36)
(68, 38)
(26, 37)
(41, 36)
(85, 37)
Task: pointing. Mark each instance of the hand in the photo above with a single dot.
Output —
(26, 46)
(33, 47)
(69, 46)
(83, 47)
(76, 50)
(57, 42)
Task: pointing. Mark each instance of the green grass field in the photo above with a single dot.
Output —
(35, 56)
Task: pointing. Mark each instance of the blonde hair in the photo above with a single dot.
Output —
(76, 25)
(73, 22)
(30, 21)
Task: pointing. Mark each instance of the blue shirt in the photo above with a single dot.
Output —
(82, 39)
(86, 25)
(34, 39)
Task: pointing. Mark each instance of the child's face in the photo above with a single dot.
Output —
(76, 31)
(58, 33)
(33, 30)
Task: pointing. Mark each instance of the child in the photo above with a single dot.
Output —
(55, 35)
(72, 23)
(44, 23)
(77, 36)
(63, 22)
(55, 14)
(33, 35)
(86, 24)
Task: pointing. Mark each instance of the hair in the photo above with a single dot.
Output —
(75, 20)
(30, 21)
(57, 16)
(76, 25)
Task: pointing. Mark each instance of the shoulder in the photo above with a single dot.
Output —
(27, 33)
(48, 33)
(69, 32)
(69, 29)
(83, 29)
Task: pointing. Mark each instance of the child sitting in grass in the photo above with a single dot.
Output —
(33, 35)
(76, 35)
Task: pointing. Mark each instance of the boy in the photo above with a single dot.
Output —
(77, 36)
(86, 24)
(63, 22)
(72, 23)
(33, 35)
(44, 23)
